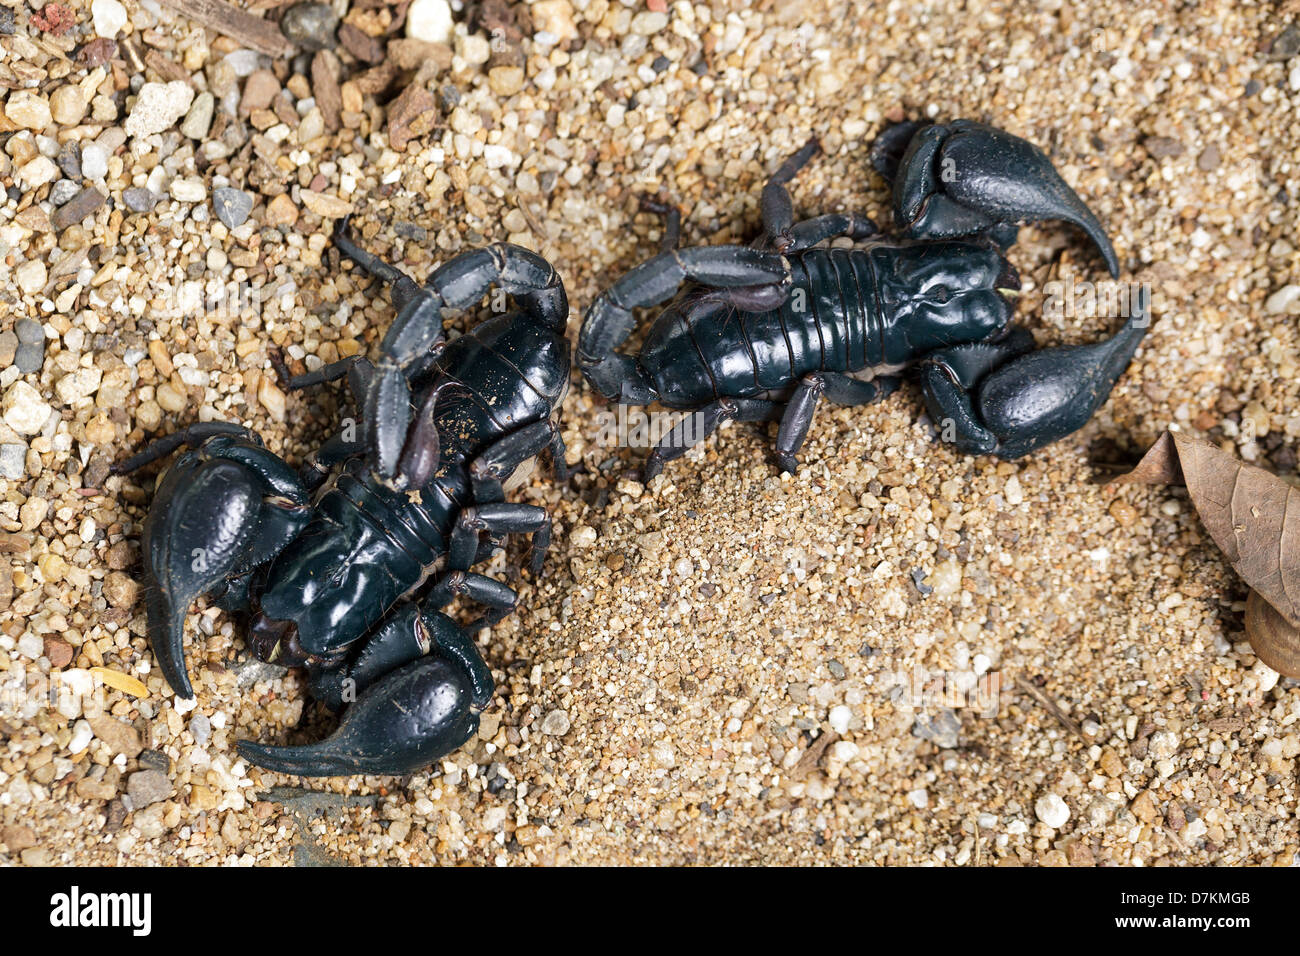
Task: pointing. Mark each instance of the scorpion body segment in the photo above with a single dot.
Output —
(344, 568)
(763, 332)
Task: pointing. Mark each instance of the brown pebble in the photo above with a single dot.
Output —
(410, 115)
(120, 589)
(119, 736)
(84, 204)
(58, 651)
(281, 211)
(18, 837)
(120, 555)
(1123, 512)
(259, 90)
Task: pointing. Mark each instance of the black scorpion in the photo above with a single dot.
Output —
(765, 331)
(345, 567)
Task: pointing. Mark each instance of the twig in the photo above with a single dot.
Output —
(252, 31)
(1049, 704)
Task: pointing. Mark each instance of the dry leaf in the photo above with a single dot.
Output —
(1274, 641)
(1159, 466)
(1252, 515)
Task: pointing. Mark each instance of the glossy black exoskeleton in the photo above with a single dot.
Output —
(763, 332)
(344, 568)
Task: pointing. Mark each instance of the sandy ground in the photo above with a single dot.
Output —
(900, 655)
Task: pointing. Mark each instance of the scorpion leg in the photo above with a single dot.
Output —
(499, 461)
(610, 320)
(419, 684)
(222, 509)
(418, 330)
(782, 233)
(700, 424)
(1009, 399)
(964, 178)
(499, 598)
(840, 389)
(498, 518)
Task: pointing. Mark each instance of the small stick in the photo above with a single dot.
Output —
(252, 31)
(1047, 702)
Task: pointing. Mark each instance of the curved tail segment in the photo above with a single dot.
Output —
(400, 724)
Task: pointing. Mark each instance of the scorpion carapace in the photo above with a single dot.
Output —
(763, 332)
(344, 567)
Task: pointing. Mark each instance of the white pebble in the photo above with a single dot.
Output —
(839, 718)
(94, 162)
(430, 21)
(1052, 810)
(1284, 300)
(109, 17)
(919, 798)
(82, 735)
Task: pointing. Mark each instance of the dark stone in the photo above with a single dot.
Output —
(6, 21)
(155, 760)
(69, 160)
(1286, 45)
(29, 357)
(1209, 159)
(310, 25)
(232, 206)
(409, 230)
(660, 64)
(84, 204)
(30, 332)
(1162, 147)
(138, 199)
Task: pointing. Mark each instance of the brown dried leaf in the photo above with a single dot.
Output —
(1252, 515)
(1159, 466)
(1275, 641)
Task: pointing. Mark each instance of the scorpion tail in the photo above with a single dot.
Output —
(400, 724)
(964, 178)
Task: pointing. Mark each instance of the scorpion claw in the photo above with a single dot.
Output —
(965, 178)
(198, 532)
(400, 724)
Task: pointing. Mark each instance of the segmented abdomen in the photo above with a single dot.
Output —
(706, 348)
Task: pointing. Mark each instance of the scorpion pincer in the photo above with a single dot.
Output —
(763, 332)
(345, 566)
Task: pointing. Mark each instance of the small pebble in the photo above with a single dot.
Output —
(1052, 811)
(146, 787)
(69, 159)
(157, 108)
(94, 162)
(231, 206)
(556, 723)
(138, 199)
(13, 459)
(108, 17)
(198, 120)
(430, 21)
(28, 109)
(311, 25)
(68, 105)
